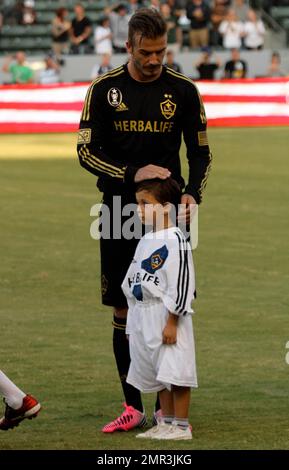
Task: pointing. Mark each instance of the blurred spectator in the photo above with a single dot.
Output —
(274, 69)
(232, 31)
(178, 10)
(29, 13)
(254, 32)
(235, 68)
(13, 13)
(206, 67)
(241, 9)
(178, 7)
(51, 72)
(218, 14)
(16, 65)
(80, 31)
(103, 67)
(60, 27)
(119, 19)
(102, 37)
(133, 6)
(174, 32)
(154, 4)
(170, 62)
(198, 12)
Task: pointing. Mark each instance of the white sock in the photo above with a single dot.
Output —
(182, 423)
(12, 394)
(168, 419)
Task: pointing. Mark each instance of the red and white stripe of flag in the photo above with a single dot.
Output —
(57, 108)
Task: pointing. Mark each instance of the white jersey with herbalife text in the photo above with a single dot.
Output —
(160, 280)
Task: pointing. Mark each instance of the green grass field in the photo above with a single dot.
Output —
(56, 336)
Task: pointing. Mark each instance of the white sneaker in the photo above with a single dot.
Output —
(176, 433)
(155, 432)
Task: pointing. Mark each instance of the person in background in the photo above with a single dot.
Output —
(133, 6)
(254, 32)
(170, 62)
(218, 14)
(154, 4)
(103, 67)
(174, 31)
(29, 13)
(206, 67)
(232, 31)
(13, 14)
(274, 69)
(198, 12)
(60, 27)
(80, 31)
(16, 65)
(50, 74)
(119, 19)
(241, 8)
(102, 37)
(235, 68)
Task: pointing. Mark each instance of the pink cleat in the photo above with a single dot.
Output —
(129, 419)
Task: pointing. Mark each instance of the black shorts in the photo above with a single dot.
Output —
(116, 254)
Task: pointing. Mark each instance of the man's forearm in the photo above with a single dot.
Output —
(198, 174)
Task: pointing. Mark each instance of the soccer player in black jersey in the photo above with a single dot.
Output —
(131, 129)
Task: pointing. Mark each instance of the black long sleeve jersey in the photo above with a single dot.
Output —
(126, 124)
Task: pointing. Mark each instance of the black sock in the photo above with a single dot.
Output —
(157, 404)
(122, 357)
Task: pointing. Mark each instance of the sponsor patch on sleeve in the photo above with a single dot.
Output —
(84, 136)
(203, 138)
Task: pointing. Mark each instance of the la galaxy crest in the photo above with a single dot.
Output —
(168, 107)
(156, 260)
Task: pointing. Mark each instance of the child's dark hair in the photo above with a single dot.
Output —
(167, 190)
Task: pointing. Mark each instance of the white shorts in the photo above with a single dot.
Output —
(154, 365)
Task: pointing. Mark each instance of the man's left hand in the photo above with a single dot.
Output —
(188, 207)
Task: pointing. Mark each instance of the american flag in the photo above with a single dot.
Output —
(57, 108)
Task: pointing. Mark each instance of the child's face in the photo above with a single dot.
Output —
(150, 211)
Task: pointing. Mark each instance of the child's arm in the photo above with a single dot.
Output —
(170, 330)
(179, 285)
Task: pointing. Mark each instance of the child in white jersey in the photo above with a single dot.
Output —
(160, 287)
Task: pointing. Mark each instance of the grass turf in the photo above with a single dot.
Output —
(56, 336)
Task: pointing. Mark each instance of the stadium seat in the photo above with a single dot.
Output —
(44, 17)
(279, 13)
(25, 31)
(46, 6)
(285, 24)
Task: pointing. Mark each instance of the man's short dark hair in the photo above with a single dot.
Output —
(164, 191)
(147, 22)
